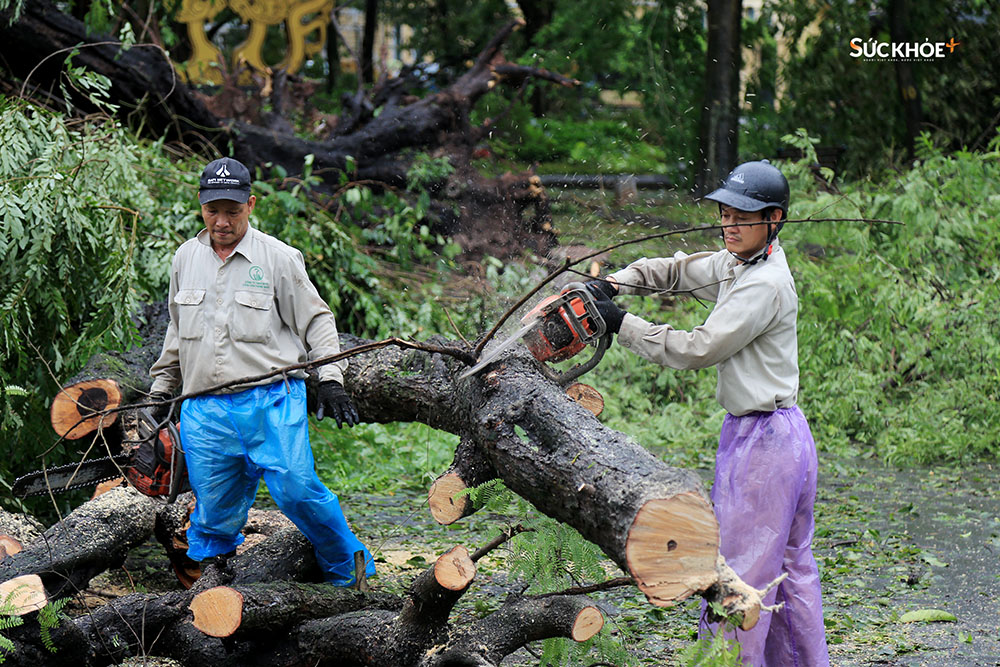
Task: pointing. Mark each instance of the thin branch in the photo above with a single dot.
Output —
(618, 582)
(500, 540)
(650, 237)
(454, 326)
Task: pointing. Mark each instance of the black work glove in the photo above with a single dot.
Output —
(335, 402)
(605, 287)
(159, 412)
(610, 313)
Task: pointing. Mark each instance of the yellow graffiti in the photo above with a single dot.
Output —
(305, 29)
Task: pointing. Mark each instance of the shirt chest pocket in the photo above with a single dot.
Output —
(251, 317)
(190, 313)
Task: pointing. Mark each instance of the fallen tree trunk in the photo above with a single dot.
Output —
(286, 623)
(95, 537)
(653, 521)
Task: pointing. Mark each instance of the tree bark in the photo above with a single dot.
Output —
(93, 538)
(718, 136)
(654, 521)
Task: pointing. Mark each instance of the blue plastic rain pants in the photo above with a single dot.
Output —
(232, 440)
(764, 491)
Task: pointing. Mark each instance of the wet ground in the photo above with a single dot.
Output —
(888, 542)
(891, 542)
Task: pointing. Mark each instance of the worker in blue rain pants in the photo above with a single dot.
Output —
(765, 474)
(241, 305)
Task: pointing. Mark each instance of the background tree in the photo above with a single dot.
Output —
(718, 138)
(906, 83)
(368, 41)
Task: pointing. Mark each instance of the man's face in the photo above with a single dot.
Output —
(227, 221)
(745, 232)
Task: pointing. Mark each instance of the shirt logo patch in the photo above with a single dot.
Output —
(256, 278)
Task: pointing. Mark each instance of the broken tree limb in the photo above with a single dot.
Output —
(519, 621)
(284, 556)
(226, 611)
(378, 147)
(447, 501)
(87, 401)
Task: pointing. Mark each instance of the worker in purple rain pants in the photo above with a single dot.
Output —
(765, 467)
(241, 305)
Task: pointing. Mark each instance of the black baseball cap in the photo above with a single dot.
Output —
(224, 178)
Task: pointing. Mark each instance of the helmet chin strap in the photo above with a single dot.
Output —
(772, 233)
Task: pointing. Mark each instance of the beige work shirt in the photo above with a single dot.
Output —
(749, 336)
(248, 315)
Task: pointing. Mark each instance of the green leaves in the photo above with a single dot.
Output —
(927, 616)
(83, 240)
(897, 343)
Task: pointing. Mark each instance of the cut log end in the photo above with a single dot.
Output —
(455, 570)
(218, 612)
(22, 595)
(446, 508)
(9, 546)
(586, 396)
(75, 409)
(588, 623)
(672, 548)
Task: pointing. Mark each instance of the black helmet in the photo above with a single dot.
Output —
(753, 186)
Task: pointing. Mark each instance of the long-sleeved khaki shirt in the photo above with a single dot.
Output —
(248, 315)
(749, 335)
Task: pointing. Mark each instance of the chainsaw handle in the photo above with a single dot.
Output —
(563, 379)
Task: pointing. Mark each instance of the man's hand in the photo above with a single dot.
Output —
(602, 286)
(159, 412)
(335, 402)
(610, 313)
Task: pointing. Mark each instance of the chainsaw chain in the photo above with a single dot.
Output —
(71, 467)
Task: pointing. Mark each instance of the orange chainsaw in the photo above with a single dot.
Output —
(151, 461)
(558, 328)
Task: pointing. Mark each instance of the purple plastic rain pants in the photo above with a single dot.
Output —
(764, 491)
(231, 441)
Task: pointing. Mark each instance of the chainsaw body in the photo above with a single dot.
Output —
(156, 465)
(564, 324)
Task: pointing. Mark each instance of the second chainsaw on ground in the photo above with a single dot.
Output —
(151, 461)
